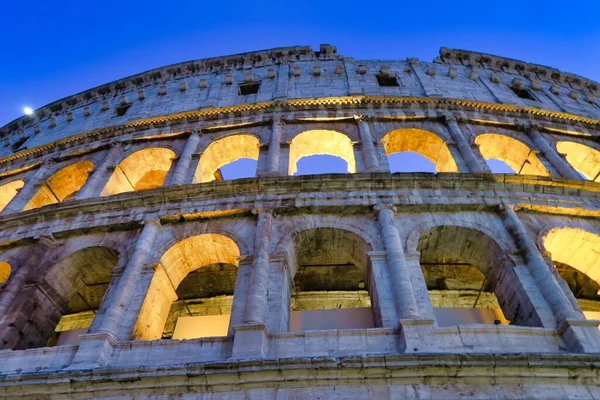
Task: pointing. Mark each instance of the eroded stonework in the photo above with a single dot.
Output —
(133, 268)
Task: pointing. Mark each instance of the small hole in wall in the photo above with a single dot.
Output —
(120, 111)
(523, 93)
(386, 80)
(248, 88)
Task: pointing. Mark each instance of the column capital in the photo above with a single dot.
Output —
(363, 118)
(278, 120)
(119, 145)
(450, 118)
(380, 207)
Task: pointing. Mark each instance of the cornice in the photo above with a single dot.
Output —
(219, 377)
(304, 104)
(444, 192)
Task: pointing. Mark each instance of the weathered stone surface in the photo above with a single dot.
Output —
(116, 220)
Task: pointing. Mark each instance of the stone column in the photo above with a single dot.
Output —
(240, 293)
(183, 164)
(559, 163)
(463, 146)
(404, 296)
(97, 180)
(273, 154)
(251, 338)
(540, 271)
(368, 148)
(256, 303)
(117, 306)
(30, 188)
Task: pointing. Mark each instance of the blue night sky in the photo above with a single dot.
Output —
(54, 49)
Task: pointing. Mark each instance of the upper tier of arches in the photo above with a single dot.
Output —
(279, 149)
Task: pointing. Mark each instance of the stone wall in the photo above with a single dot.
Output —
(111, 249)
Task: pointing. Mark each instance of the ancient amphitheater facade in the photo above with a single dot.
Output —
(132, 269)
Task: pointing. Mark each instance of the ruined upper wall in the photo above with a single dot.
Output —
(299, 72)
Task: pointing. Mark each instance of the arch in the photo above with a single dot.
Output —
(74, 284)
(512, 151)
(452, 248)
(575, 247)
(8, 191)
(224, 151)
(585, 159)
(321, 142)
(5, 271)
(144, 169)
(177, 262)
(61, 186)
(422, 142)
(331, 281)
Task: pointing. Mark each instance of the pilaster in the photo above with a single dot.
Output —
(100, 176)
(182, 167)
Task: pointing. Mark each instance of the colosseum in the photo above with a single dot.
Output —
(134, 266)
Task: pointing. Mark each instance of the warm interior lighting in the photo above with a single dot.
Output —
(422, 142)
(5, 271)
(585, 159)
(173, 295)
(321, 142)
(144, 169)
(224, 151)
(516, 154)
(577, 248)
(61, 186)
(8, 191)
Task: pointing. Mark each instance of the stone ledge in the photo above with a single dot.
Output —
(431, 369)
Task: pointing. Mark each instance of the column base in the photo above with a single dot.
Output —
(267, 173)
(580, 336)
(250, 341)
(94, 351)
(416, 335)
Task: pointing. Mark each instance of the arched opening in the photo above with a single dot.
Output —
(8, 191)
(144, 169)
(191, 292)
(499, 166)
(585, 159)
(323, 143)
(576, 255)
(57, 312)
(5, 271)
(470, 281)
(421, 142)
(61, 186)
(235, 155)
(331, 283)
(514, 153)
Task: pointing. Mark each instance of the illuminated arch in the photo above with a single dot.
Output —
(583, 158)
(8, 191)
(513, 152)
(422, 142)
(5, 271)
(576, 248)
(177, 262)
(321, 142)
(61, 186)
(144, 169)
(224, 151)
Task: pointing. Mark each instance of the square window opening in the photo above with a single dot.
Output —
(524, 93)
(387, 80)
(248, 88)
(120, 111)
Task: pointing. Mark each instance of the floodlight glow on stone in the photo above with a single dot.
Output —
(28, 110)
